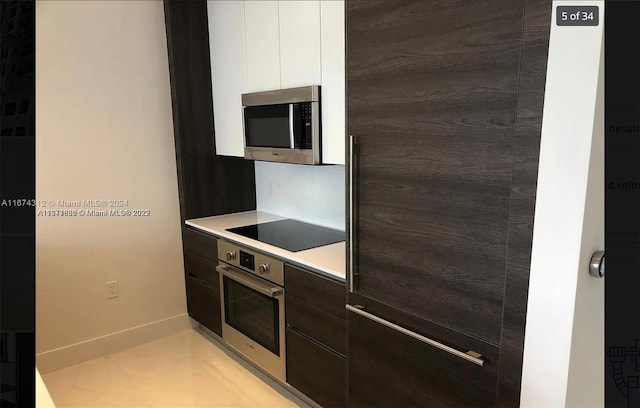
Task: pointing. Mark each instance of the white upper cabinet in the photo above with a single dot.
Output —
(228, 73)
(262, 45)
(332, 94)
(299, 43)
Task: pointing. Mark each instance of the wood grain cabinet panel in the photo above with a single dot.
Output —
(533, 68)
(324, 293)
(444, 99)
(432, 91)
(315, 306)
(207, 184)
(200, 243)
(316, 336)
(201, 268)
(203, 304)
(390, 369)
(324, 327)
(315, 371)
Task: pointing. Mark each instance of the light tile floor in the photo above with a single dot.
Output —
(183, 370)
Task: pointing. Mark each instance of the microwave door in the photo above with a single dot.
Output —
(280, 133)
(267, 126)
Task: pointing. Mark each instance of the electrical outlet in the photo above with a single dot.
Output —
(112, 289)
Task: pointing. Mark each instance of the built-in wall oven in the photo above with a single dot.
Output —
(252, 299)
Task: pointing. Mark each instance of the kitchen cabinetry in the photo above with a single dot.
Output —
(202, 280)
(262, 45)
(437, 93)
(332, 92)
(388, 368)
(299, 43)
(282, 44)
(207, 184)
(203, 304)
(316, 371)
(266, 45)
(228, 70)
(316, 333)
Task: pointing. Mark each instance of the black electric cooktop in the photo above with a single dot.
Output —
(291, 235)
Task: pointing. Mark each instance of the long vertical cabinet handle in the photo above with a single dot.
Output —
(352, 211)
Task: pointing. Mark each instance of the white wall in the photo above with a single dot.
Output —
(314, 194)
(586, 366)
(104, 125)
(563, 349)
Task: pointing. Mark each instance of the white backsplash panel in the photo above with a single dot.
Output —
(313, 194)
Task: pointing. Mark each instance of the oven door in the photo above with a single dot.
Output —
(253, 318)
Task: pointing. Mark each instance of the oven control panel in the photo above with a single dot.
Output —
(252, 261)
(247, 260)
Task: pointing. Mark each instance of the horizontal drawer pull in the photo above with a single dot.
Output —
(201, 281)
(315, 341)
(469, 355)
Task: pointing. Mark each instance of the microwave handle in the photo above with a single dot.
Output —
(291, 130)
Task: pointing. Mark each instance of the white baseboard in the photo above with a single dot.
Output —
(66, 356)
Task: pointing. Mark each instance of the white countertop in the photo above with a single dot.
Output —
(328, 259)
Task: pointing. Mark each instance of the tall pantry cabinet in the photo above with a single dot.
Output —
(444, 106)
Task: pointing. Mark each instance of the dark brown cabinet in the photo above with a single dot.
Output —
(444, 104)
(307, 318)
(432, 108)
(200, 243)
(390, 369)
(203, 304)
(315, 306)
(316, 371)
(316, 336)
(208, 184)
(202, 279)
(201, 268)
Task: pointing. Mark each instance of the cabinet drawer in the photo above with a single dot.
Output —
(203, 305)
(201, 268)
(324, 327)
(406, 372)
(321, 292)
(200, 243)
(315, 371)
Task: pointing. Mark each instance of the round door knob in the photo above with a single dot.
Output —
(596, 266)
(231, 255)
(263, 269)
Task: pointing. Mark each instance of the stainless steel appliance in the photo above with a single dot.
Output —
(283, 125)
(252, 300)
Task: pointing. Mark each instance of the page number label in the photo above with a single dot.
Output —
(577, 16)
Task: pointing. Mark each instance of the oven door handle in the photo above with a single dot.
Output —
(258, 286)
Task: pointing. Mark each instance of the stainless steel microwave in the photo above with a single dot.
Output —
(283, 125)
